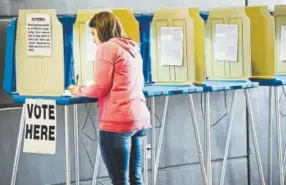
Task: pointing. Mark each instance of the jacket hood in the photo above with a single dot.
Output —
(128, 44)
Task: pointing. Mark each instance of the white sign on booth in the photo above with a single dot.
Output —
(39, 34)
(40, 126)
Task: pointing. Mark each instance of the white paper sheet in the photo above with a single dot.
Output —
(283, 43)
(172, 46)
(90, 45)
(226, 42)
(39, 34)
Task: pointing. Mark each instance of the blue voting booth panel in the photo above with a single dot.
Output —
(204, 15)
(279, 80)
(154, 90)
(216, 85)
(67, 22)
(64, 100)
(144, 27)
(9, 84)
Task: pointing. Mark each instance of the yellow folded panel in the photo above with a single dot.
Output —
(39, 53)
(85, 49)
(129, 23)
(172, 46)
(280, 39)
(228, 54)
(262, 42)
(199, 39)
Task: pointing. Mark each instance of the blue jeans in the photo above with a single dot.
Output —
(122, 154)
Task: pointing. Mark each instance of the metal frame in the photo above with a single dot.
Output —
(206, 171)
(67, 145)
(208, 150)
(279, 137)
(254, 136)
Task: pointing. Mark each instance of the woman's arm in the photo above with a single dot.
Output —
(103, 80)
(104, 66)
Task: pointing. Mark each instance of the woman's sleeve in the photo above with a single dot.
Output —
(104, 66)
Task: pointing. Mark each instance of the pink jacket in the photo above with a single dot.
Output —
(119, 83)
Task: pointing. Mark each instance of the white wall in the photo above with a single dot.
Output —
(270, 3)
(8, 7)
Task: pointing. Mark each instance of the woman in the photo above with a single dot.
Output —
(123, 115)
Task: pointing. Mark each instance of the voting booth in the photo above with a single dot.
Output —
(228, 54)
(172, 46)
(262, 42)
(39, 54)
(85, 48)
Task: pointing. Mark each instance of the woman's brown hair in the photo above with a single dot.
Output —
(107, 26)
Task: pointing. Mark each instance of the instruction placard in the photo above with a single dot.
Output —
(90, 49)
(283, 43)
(226, 42)
(40, 126)
(39, 34)
(172, 46)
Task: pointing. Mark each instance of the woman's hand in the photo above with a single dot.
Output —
(74, 90)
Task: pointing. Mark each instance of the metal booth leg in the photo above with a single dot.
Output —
(198, 141)
(67, 143)
(270, 136)
(18, 147)
(228, 138)
(254, 137)
(153, 137)
(96, 163)
(208, 152)
(161, 136)
(145, 161)
(76, 158)
(279, 139)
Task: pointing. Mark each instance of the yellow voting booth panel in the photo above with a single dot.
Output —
(262, 42)
(280, 39)
(199, 39)
(172, 46)
(228, 54)
(39, 54)
(85, 49)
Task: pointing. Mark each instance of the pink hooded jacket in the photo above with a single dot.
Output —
(119, 83)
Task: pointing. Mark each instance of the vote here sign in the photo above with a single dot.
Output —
(40, 126)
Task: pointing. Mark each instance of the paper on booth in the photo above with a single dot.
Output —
(90, 45)
(226, 42)
(283, 43)
(171, 46)
(39, 34)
